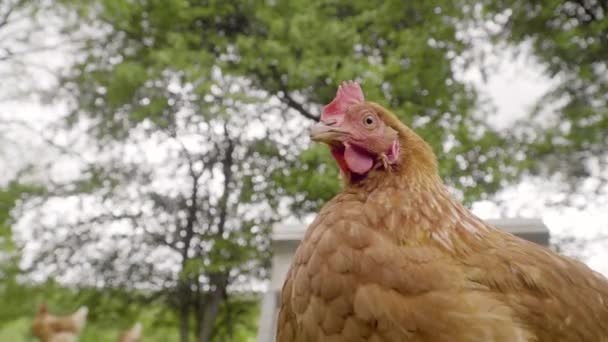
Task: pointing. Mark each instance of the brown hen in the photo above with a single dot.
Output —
(394, 257)
(133, 334)
(50, 328)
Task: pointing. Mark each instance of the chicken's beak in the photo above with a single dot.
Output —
(326, 132)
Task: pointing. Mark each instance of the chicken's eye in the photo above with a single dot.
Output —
(369, 121)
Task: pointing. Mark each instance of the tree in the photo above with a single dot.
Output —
(191, 123)
(181, 187)
(570, 39)
(564, 137)
(30, 30)
(23, 27)
(404, 54)
(10, 288)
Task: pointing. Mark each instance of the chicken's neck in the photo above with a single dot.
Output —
(413, 208)
(416, 167)
(410, 203)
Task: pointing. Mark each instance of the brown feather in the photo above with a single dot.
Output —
(51, 328)
(394, 257)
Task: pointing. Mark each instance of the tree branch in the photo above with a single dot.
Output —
(4, 19)
(288, 100)
(12, 53)
(61, 148)
(103, 218)
(218, 281)
(227, 170)
(587, 10)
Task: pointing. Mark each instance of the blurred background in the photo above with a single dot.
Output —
(148, 147)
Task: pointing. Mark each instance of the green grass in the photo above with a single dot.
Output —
(110, 313)
(98, 327)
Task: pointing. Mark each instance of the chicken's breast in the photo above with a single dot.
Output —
(357, 277)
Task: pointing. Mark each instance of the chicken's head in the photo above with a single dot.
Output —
(358, 136)
(39, 324)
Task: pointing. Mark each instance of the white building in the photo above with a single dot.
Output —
(286, 239)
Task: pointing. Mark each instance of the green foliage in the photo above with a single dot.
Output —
(238, 321)
(15, 298)
(299, 51)
(570, 39)
(9, 196)
(403, 55)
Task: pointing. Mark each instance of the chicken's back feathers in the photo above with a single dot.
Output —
(396, 258)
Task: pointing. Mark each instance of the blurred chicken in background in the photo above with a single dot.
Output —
(133, 334)
(50, 328)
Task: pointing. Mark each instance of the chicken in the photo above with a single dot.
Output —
(394, 257)
(49, 328)
(133, 334)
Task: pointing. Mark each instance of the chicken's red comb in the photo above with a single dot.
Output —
(349, 93)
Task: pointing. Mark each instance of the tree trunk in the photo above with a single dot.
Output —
(198, 307)
(212, 307)
(184, 324)
(218, 281)
(184, 311)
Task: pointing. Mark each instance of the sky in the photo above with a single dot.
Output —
(513, 88)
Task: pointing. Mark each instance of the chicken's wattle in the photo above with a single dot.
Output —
(358, 161)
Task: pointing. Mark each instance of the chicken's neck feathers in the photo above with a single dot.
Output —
(411, 200)
(413, 213)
